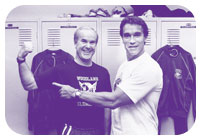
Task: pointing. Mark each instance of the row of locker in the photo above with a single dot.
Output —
(59, 33)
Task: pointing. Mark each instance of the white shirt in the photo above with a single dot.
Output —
(141, 79)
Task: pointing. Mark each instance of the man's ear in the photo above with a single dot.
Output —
(145, 39)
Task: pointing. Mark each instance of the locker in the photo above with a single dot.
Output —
(16, 97)
(181, 33)
(112, 50)
(61, 34)
(178, 32)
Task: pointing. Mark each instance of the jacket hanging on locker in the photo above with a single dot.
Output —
(179, 86)
(179, 81)
(42, 102)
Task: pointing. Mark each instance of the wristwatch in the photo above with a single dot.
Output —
(20, 60)
(77, 94)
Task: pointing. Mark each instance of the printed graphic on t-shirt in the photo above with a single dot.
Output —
(87, 84)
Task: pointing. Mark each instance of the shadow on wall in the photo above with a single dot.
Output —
(160, 11)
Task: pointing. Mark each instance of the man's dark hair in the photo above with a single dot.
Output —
(134, 20)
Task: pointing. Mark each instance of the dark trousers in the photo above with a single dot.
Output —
(180, 125)
(70, 130)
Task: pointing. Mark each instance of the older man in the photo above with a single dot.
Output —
(78, 116)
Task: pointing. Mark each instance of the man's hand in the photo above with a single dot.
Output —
(25, 50)
(66, 91)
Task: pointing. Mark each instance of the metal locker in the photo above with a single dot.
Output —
(181, 33)
(61, 34)
(16, 33)
(178, 32)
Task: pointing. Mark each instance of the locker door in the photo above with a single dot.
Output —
(113, 52)
(16, 97)
(181, 33)
(61, 34)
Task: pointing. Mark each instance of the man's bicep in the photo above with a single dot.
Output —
(122, 98)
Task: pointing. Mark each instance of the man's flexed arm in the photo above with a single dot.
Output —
(26, 76)
(101, 99)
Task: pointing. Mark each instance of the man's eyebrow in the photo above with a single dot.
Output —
(84, 40)
(127, 33)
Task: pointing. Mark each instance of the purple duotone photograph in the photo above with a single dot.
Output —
(100, 70)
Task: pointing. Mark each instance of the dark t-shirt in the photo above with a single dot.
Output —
(74, 111)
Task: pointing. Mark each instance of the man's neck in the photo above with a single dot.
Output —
(83, 63)
(130, 58)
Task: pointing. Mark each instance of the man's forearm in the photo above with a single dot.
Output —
(106, 99)
(26, 76)
(103, 99)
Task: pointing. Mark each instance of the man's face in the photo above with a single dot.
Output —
(134, 40)
(86, 45)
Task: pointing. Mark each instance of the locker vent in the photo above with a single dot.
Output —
(113, 37)
(53, 37)
(173, 36)
(25, 35)
(148, 40)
